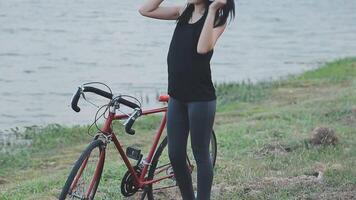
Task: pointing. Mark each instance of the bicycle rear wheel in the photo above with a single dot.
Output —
(161, 167)
(84, 178)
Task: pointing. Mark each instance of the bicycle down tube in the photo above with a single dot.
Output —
(139, 180)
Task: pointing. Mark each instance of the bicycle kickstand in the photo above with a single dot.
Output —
(145, 192)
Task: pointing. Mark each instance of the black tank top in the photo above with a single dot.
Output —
(189, 74)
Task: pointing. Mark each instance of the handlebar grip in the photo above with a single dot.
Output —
(128, 127)
(98, 92)
(75, 100)
(128, 103)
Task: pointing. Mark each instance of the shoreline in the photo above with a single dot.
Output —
(10, 130)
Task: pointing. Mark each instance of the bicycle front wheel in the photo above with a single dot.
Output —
(167, 188)
(84, 178)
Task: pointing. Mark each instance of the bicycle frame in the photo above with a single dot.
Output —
(106, 135)
(139, 181)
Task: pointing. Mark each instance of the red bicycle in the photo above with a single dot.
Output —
(150, 174)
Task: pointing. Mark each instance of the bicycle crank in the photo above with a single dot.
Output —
(128, 187)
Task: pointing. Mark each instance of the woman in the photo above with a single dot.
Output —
(192, 102)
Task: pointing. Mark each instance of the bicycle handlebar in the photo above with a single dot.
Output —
(130, 121)
(97, 91)
(75, 100)
(128, 127)
(100, 92)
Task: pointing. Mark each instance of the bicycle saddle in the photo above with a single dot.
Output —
(163, 98)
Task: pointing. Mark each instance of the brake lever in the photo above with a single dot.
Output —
(133, 116)
(131, 120)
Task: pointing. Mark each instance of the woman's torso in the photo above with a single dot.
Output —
(189, 74)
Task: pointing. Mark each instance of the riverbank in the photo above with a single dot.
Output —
(264, 147)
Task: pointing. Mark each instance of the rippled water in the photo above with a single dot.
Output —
(48, 47)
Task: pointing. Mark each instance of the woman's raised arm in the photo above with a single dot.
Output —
(152, 9)
(209, 35)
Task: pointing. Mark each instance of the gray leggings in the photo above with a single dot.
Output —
(198, 117)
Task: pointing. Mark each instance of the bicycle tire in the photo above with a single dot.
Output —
(87, 153)
(158, 154)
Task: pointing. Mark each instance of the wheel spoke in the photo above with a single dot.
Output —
(84, 179)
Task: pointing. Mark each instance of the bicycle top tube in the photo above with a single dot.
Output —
(162, 98)
(144, 112)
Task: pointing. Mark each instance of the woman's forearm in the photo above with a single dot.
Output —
(150, 5)
(206, 40)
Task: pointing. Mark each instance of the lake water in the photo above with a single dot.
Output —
(49, 47)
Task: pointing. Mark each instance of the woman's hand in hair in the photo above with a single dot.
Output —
(217, 4)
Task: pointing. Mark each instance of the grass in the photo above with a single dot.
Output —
(252, 122)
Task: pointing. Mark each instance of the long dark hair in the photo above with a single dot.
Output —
(220, 17)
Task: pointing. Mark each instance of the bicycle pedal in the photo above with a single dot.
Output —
(133, 153)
